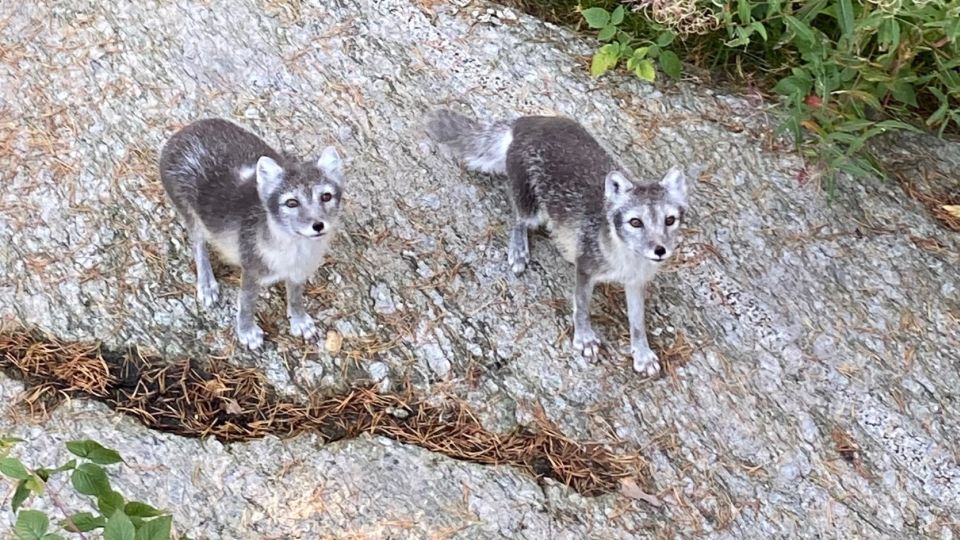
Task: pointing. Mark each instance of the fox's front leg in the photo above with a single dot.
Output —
(301, 324)
(644, 360)
(585, 340)
(248, 332)
(207, 289)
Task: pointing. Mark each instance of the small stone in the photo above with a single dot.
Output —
(378, 371)
(334, 342)
(402, 414)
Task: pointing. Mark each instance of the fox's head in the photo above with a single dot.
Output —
(646, 217)
(304, 198)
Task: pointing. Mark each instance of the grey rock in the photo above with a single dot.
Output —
(803, 314)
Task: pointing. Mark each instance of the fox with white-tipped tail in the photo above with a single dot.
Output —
(612, 227)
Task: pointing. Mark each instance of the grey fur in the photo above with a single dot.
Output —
(232, 190)
(561, 177)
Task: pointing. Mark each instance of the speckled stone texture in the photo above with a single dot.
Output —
(815, 326)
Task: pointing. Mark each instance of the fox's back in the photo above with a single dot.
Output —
(208, 170)
(564, 164)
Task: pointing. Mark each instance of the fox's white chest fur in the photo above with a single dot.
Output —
(291, 258)
(624, 265)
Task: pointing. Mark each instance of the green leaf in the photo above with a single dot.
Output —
(605, 59)
(14, 469)
(903, 92)
(889, 34)
(596, 17)
(759, 28)
(83, 522)
(854, 167)
(119, 527)
(607, 33)
(670, 63)
(45, 474)
(156, 529)
(896, 124)
(35, 484)
(856, 124)
(665, 38)
(803, 32)
(644, 70)
(938, 115)
(139, 509)
(89, 479)
(617, 16)
(792, 86)
(93, 451)
(109, 503)
(31, 525)
(20, 495)
(865, 97)
(846, 18)
(51, 536)
(743, 11)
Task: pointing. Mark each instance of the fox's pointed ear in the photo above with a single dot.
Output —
(330, 162)
(674, 182)
(616, 186)
(269, 174)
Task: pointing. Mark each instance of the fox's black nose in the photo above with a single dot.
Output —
(660, 251)
(318, 226)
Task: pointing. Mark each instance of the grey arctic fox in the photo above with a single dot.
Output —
(270, 214)
(611, 226)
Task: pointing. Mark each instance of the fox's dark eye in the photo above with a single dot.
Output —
(326, 197)
(291, 203)
(670, 221)
(636, 223)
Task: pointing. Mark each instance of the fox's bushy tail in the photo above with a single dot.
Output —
(481, 147)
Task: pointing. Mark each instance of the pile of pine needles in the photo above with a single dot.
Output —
(193, 399)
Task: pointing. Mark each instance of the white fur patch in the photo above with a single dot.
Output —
(494, 158)
(291, 257)
(566, 241)
(247, 172)
(227, 245)
(625, 266)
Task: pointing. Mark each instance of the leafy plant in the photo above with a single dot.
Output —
(118, 518)
(846, 70)
(638, 53)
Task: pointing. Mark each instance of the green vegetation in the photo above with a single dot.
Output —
(846, 70)
(114, 517)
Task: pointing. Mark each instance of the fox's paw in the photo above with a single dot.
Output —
(303, 326)
(517, 261)
(208, 292)
(645, 361)
(586, 343)
(251, 337)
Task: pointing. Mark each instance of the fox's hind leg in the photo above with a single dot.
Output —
(526, 216)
